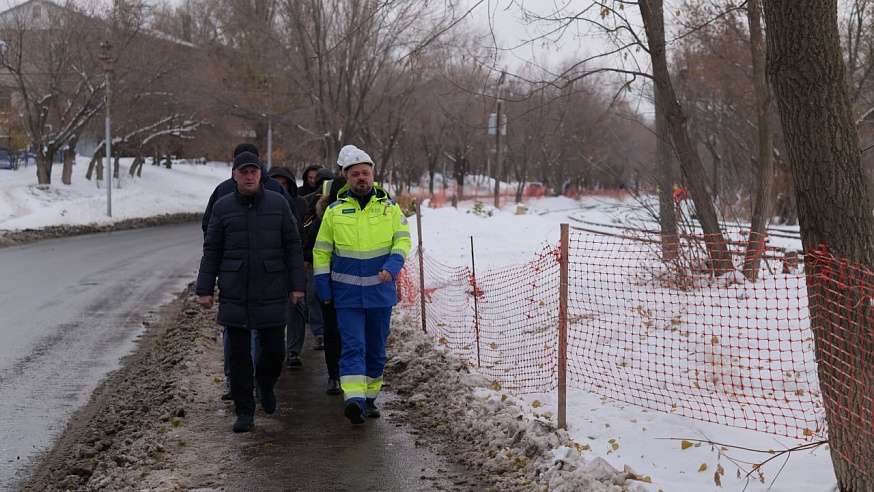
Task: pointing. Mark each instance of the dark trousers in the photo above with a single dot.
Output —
(296, 329)
(268, 368)
(332, 339)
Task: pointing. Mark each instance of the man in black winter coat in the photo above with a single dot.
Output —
(226, 187)
(252, 246)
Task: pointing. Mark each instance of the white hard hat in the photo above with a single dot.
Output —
(355, 156)
(344, 152)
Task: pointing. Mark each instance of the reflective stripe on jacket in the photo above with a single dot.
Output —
(353, 245)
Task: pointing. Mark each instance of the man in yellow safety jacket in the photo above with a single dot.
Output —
(361, 246)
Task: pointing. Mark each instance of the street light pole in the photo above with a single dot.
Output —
(269, 142)
(106, 57)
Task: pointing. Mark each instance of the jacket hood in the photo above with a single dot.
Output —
(309, 168)
(285, 173)
(322, 175)
(305, 188)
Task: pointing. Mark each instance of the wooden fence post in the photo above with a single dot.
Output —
(475, 287)
(562, 328)
(421, 265)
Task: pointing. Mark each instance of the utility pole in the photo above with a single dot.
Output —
(106, 57)
(498, 128)
(498, 154)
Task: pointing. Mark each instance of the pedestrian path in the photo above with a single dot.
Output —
(308, 445)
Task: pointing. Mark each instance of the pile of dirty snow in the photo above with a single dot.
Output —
(461, 414)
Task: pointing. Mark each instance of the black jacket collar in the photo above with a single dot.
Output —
(252, 199)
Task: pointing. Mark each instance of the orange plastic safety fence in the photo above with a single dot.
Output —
(842, 318)
(502, 322)
(663, 334)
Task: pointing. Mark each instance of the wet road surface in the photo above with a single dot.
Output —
(308, 445)
(70, 308)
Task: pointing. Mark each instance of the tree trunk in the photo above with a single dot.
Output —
(136, 166)
(44, 160)
(807, 74)
(69, 160)
(711, 142)
(665, 177)
(690, 162)
(432, 155)
(765, 183)
(94, 164)
(459, 170)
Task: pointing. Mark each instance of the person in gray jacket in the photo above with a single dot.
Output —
(252, 246)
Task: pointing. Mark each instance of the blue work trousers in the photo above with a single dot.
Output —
(363, 334)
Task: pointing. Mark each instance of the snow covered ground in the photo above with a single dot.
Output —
(649, 442)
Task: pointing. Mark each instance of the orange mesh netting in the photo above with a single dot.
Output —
(664, 335)
(842, 294)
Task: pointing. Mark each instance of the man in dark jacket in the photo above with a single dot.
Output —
(253, 248)
(226, 187)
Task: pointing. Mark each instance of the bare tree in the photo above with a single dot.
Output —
(611, 19)
(53, 67)
(764, 186)
(677, 125)
(358, 65)
(858, 42)
(809, 79)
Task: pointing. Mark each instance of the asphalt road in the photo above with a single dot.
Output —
(70, 308)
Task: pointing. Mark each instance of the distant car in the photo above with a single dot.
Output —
(7, 159)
